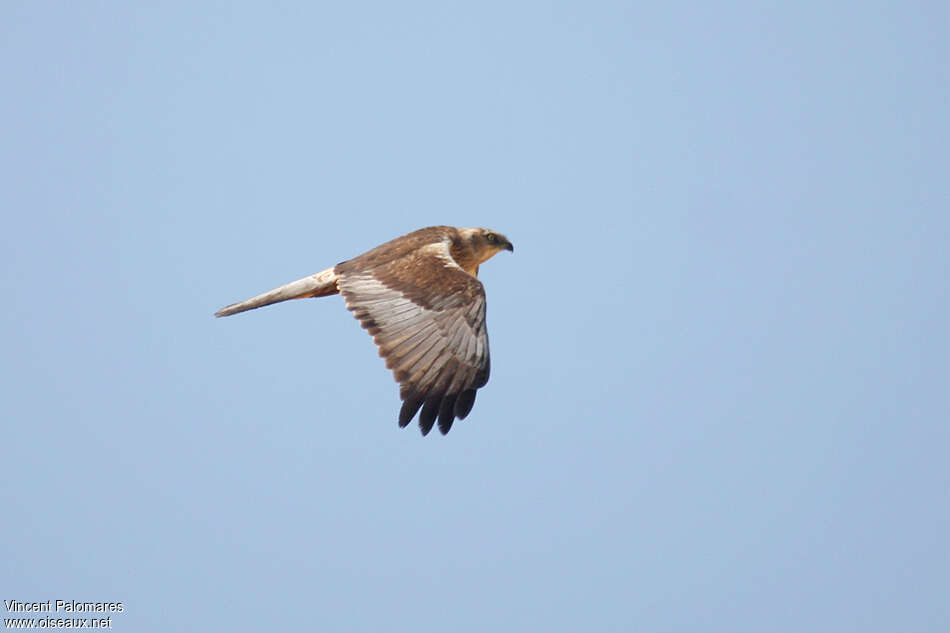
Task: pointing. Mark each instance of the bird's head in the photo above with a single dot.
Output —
(477, 246)
(486, 243)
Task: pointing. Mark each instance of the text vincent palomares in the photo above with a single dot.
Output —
(69, 606)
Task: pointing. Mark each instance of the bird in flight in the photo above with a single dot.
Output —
(420, 299)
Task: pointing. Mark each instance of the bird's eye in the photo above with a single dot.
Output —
(491, 237)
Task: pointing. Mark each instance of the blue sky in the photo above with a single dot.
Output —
(719, 352)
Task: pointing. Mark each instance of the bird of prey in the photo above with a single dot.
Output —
(420, 298)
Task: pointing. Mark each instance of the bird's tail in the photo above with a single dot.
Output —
(318, 285)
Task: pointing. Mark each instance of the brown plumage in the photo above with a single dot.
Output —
(420, 299)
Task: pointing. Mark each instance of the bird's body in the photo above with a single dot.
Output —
(419, 297)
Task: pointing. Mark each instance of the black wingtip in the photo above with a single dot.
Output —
(428, 415)
(408, 411)
(444, 410)
(464, 403)
(446, 414)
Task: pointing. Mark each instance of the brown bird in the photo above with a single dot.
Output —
(420, 299)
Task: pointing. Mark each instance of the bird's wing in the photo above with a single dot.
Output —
(427, 316)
